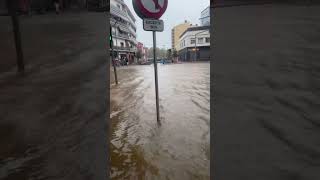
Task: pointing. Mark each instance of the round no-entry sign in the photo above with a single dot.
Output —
(152, 9)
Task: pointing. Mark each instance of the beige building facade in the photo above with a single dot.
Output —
(176, 32)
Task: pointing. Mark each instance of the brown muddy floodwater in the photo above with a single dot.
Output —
(179, 148)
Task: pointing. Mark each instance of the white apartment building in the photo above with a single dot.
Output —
(124, 30)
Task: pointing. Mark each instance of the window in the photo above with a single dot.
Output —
(200, 40)
(193, 41)
(207, 40)
(122, 44)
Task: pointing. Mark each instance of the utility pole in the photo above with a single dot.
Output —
(12, 6)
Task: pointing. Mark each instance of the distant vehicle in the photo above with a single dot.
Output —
(165, 61)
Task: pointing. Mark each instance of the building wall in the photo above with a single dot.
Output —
(176, 33)
(188, 54)
(145, 53)
(140, 46)
(117, 42)
(205, 17)
(185, 40)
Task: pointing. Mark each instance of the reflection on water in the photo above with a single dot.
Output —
(179, 147)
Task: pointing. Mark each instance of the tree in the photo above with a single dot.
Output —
(161, 53)
(169, 54)
(150, 52)
(175, 53)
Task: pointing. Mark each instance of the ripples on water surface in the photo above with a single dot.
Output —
(179, 147)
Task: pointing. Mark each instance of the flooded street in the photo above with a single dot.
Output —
(179, 147)
(51, 118)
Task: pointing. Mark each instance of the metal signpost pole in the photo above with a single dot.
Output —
(156, 74)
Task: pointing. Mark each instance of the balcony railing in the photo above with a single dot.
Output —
(122, 36)
(116, 11)
(129, 49)
(126, 37)
(124, 27)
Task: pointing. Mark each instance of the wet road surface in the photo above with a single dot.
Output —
(52, 118)
(179, 148)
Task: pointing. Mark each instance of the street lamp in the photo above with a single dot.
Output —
(195, 44)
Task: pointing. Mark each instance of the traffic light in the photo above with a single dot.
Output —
(110, 38)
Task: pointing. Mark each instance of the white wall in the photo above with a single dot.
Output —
(205, 17)
(185, 40)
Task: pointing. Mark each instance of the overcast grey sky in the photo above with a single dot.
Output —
(177, 12)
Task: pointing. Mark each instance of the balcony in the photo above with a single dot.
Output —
(123, 36)
(134, 40)
(124, 49)
(117, 12)
(123, 27)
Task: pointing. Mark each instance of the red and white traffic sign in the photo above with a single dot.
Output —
(152, 9)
